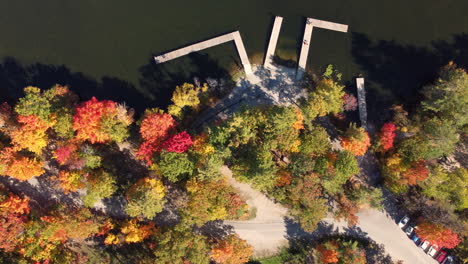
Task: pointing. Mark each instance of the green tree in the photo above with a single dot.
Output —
(315, 141)
(176, 166)
(451, 188)
(345, 166)
(448, 97)
(179, 245)
(100, 184)
(145, 198)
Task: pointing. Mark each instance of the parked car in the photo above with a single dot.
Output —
(416, 239)
(441, 256)
(424, 245)
(448, 260)
(432, 251)
(409, 230)
(403, 221)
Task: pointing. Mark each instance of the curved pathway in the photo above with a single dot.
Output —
(269, 230)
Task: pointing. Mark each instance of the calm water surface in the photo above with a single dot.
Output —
(105, 47)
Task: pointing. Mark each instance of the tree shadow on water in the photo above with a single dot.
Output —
(14, 77)
(400, 70)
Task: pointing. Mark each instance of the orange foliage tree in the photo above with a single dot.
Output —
(24, 169)
(328, 255)
(231, 250)
(416, 173)
(437, 235)
(13, 211)
(101, 121)
(356, 140)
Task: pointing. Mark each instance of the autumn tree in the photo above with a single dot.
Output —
(145, 198)
(415, 173)
(387, 136)
(346, 209)
(315, 141)
(154, 129)
(31, 134)
(19, 167)
(448, 97)
(225, 203)
(180, 245)
(350, 102)
(135, 231)
(231, 250)
(178, 143)
(356, 140)
(342, 166)
(304, 197)
(437, 235)
(13, 212)
(449, 187)
(101, 121)
(185, 96)
(175, 166)
(326, 98)
(99, 184)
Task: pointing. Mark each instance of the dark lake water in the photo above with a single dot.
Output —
(105, 47)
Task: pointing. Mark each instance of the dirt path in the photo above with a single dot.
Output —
(267, 231)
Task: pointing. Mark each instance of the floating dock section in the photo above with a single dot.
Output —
(235, 36)
(310, 24)
(361, 92)
(273, 41)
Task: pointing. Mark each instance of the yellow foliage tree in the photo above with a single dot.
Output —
(31, 134)
(136, 232)
(186, 95)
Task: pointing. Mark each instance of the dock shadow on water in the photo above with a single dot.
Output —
(396, 72)
(160, 80)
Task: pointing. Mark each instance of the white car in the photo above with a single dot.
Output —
(424, 245)
(432, 251)
(403, 221)
(409, 230)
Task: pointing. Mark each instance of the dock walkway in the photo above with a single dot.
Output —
(310, 24)
(362, 102)
(273, 41)
(235, 36)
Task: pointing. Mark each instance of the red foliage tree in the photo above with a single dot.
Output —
(416, 173)
(88, 117)
(437, 235)
(387, 136)
(146, 151)
(179, 143)
(349, 102)
(154, 129)
(63, 154)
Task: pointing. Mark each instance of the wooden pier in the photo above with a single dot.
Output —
(273, 41)
(361, 92)
(310, 24)
(235, 36)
